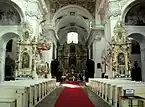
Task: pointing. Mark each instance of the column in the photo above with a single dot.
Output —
(2, 63)
(143, 62)
(114, 13)
(98, 47)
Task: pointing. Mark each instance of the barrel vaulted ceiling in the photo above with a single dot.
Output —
(73, 18)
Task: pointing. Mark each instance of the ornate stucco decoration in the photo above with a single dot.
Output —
(26, 31)
(90, 5)
(26, 52)
(32, 9)
(43, 44)
(114, 13)
(114, 9)
(34, 13)
(42, 69)
(120, 52)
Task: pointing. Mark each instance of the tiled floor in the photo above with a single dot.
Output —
(96, 100)
(50, 100)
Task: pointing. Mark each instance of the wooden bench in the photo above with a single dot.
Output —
(110, 89)
(36, 90)
(7, 102)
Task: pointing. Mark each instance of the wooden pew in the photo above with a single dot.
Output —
(7, 102)
(18, 93)
(109, 89)
(36, 90)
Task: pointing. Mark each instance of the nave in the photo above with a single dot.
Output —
(55, 99)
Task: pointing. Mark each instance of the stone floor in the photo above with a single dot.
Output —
(50, 100)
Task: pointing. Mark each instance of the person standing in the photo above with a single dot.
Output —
(136, 72)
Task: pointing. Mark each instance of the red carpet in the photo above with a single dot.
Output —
(73, 96)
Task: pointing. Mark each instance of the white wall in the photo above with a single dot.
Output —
(47, 55)
(98, 47)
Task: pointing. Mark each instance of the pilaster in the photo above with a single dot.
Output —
(2, 61)
(113, 14)
(142, 49)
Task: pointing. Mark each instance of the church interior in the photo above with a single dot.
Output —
(72, 53)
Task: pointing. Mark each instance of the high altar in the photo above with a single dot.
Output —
(72, 58)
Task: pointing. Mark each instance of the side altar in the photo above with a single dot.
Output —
(29, 63)
(118, 58)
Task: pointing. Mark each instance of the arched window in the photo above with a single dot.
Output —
(72, 37)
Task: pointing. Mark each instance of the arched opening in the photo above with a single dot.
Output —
(9, 53)
(11, 16)
(136, 56)
(10, 59)
(134, 18)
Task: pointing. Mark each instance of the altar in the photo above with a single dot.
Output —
(72, 58)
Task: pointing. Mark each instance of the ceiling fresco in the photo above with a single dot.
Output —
(87, 4)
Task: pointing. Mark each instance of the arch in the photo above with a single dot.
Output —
(7, 36)
(57, 14)
(127, 7)
(3, 42)
(140, 38)
(16, 7)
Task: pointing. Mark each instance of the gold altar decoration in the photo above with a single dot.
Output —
(29, 62)
(120, 52)
(72, 58)
(42, 69)
(26, 52)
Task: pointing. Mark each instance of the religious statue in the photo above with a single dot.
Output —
(43, 70)
(26, 35)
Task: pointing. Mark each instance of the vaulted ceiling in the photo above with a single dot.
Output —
(87, 4)
(73, 15)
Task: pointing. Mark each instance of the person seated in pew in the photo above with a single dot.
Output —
(136, 72)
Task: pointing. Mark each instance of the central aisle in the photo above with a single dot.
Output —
(73, 96)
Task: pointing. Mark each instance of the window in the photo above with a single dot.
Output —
(72, 37)
(99, 65)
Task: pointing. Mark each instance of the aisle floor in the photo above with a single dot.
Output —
(51, 99)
